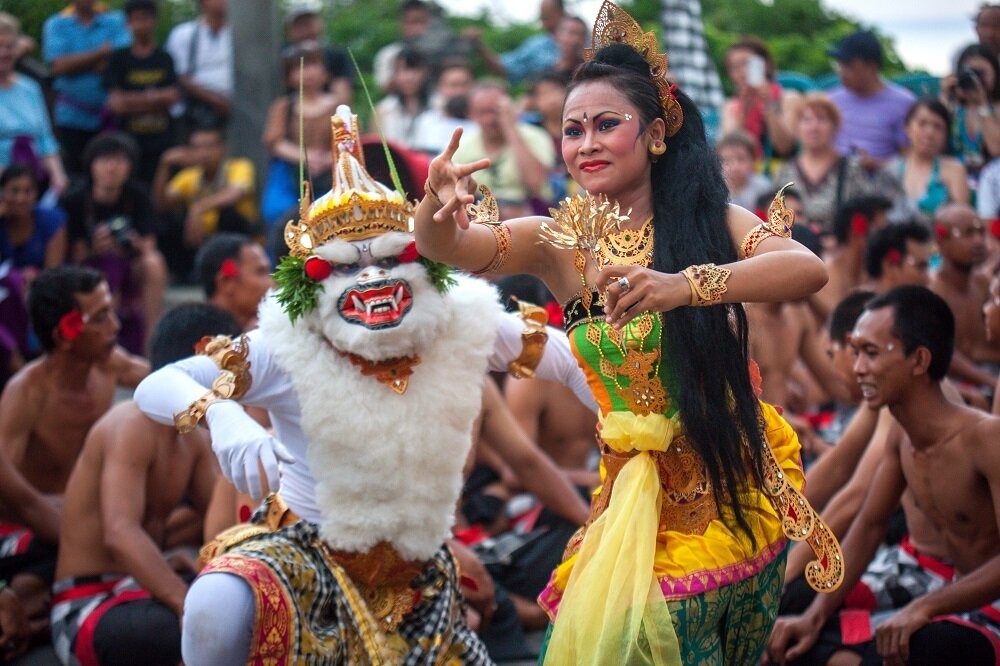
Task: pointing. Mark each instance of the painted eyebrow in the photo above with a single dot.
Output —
(595, 117)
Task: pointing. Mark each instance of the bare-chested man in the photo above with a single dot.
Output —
(49, 405)
(234, 273)
(551, 415)
(853, 225)
(961, 238)
(949, 460)
(897, 255)
(116, 597)
(991, 315)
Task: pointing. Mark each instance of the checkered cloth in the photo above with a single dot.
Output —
(690, 65)
(317, 624)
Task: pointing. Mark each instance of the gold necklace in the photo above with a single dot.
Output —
(628, 247)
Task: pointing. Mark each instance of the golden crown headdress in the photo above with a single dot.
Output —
(356, 207)
(615, 26)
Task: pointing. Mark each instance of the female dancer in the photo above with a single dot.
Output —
(685, 556)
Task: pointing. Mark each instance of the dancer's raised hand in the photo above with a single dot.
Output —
(452, 184)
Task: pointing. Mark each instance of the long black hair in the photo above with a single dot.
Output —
(705, 347)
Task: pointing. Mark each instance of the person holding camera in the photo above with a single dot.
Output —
(759, 106)
(971, 93)
(110, 228)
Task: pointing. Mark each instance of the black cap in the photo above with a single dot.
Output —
(140, 5)
(862, 45)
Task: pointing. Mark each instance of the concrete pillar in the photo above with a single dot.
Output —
(257, 37)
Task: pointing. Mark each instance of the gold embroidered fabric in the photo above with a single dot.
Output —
(800, 522)
(687, 502)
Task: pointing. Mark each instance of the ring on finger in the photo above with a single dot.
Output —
(624, 284)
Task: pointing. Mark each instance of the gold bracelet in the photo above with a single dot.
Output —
(222, 389)
(707, 282)
(432, 193)
(233, 381)
(753, 238)
(533, 340)
(501, 234)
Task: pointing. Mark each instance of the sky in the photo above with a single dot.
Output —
(927, 35)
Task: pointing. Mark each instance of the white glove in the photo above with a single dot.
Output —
(244, 448)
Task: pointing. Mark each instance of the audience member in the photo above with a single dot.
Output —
(15, 346)
(898, 255)
(961, 241)
(117, 599)
(987, 23)
(77, 42)
(971, 93)
(304, 21)
(31, 237)
(903, 343)
(25, 133)
(210, 193)
(142, 87)
(535, 55)
(234, 273)
(854, 224)
(110, 228)
(521, 156)
(571, 36)
(988, 191)
(421, 29)
(543, 106)
(552, 416)
(991, 317)
(736, 152)
(202, 50)
(876, 107)
(46, 410)
(304, 64)
(930, 178)
(403, 114)
(449, 105)
(826, 179)
(759, 106)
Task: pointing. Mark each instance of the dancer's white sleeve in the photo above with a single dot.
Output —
(558, 363)
(239, 442)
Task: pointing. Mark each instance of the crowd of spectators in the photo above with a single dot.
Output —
(116, 181)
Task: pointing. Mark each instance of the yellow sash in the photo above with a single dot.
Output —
(613, 611)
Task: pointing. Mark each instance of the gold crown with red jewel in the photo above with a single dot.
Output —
(356, 207)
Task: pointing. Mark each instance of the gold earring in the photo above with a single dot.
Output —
(657, 148)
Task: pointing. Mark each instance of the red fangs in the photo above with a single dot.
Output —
(379, 305)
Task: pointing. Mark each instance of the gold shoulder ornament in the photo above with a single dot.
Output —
(233, 382)
(533, 339)
(779, 222)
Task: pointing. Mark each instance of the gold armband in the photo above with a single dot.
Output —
(533, 339)
(753, 238)
(487, 213)
(707, 282)
(233, 381)
(779, 222)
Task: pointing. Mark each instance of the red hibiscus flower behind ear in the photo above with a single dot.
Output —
(995, 228)
(71, 325)
(859, 224)
(894, 257)
(409, 253)
(318, 268)
(229, 269)
(941, 231)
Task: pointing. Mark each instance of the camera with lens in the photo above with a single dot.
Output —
(967, 79)
(121, 231)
